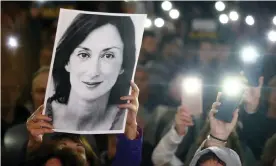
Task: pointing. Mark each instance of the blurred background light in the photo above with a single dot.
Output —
(249, 54)
(174, 14)
(272, 36)
(12, 42)
(274, 20)
(233, 15)
(223, 18)
(159, 22)
(166, 5)
(148, 23)
(220, 6)
(249, 20)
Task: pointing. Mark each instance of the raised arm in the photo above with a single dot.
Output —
(164, 153)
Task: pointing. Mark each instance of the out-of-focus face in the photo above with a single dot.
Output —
(206, 53)
(211, 162)
(45, 57)
(53, 162)
(174, 48)
(142, 80)
(96, 63)
(149, 44)
(39, 88)
(75, 146)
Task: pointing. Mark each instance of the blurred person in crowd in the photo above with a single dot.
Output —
(259, 116)
(128, 150)
(213, 150)
(268, 157)
(148, 48)
(30, 99)
(45, 55)
(49, 154)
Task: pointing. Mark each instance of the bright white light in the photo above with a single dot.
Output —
(274, 20)
(191, 85)
(249, 20)
(148, 23)
(12, 42)
(166, 5)
(223, 18)
(159, 22)
(220, 6)
(234, 16)
(249, 54)
(174, 13)
(232, 86)
(272, 36)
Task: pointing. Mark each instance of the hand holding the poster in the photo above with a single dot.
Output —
(37, 125)
(132, 106)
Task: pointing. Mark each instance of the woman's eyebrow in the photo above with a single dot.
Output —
(85, 48)
(106, 49)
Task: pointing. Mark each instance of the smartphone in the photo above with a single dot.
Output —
(193, 100)
(228, 105)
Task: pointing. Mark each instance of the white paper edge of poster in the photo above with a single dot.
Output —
(138, 42)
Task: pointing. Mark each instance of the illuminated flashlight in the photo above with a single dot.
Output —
(232, 86)
(191, 85)
(249, 54)
(12, 42)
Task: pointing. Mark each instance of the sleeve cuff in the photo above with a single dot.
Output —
(174, 137)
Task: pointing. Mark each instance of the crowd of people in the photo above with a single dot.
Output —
(160, 130)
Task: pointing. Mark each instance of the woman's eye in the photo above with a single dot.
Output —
(108, 55)
(83, 55)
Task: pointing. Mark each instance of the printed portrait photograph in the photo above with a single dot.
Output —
(93, 63)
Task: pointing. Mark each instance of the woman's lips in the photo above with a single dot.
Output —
(92, 84)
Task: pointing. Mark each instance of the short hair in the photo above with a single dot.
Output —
(167, 39)
(40, 70)
(148, 34)
(209, 156)
(49, 150)
(75, 35)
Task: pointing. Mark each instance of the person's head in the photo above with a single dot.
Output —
(210, 159)
(149, 43)
(269, 153)
(39, 85)
(171, 45)
(206, 51)
(272, 92)
(142, 80)
(49, 154)
(95, 55)
(78, 144)
(45, 56)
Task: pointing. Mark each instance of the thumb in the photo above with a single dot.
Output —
(212, 113)
(235, 117)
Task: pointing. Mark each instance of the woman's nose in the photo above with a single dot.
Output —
(92, 68)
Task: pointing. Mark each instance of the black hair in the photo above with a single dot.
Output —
(80, 28)
(167, 39)
(48, 151)
(209, 156)
(148, 34)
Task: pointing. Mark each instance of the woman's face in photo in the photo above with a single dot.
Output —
(95, 64)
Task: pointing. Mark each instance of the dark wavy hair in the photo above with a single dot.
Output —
(76, 33)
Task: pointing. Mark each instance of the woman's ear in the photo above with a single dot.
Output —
(67, 67)
(122, 71)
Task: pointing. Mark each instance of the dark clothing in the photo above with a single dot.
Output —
(257, 129)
